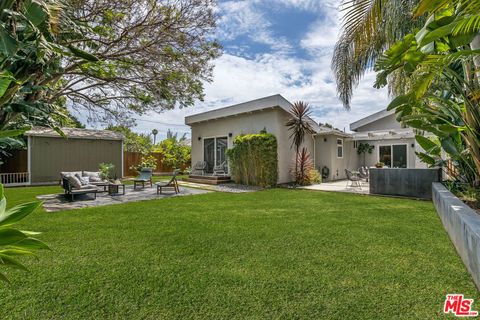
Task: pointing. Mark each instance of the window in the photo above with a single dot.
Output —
(394, 156)
(339, 148)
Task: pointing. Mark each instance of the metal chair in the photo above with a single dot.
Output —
(355, 181)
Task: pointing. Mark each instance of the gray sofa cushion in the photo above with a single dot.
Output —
(88, 187)
(66, 173)
(93, 176)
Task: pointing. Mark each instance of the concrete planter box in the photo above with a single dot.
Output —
(414, 183)
(463, 227)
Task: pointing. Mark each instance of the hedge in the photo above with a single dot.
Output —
(253, 159)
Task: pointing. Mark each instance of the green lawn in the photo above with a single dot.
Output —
(271, 254)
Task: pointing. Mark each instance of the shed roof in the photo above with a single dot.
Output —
(76, 133)
(246, 107)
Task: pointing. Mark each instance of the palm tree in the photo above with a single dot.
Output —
(154, 132)
(369, 27)
(299, 124)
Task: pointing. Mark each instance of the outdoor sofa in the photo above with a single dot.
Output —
(81, 182)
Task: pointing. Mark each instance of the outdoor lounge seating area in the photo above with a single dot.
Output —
(59, 202)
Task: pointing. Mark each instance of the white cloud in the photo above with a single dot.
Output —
(240, 76)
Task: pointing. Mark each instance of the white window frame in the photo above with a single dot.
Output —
(339, 145)
(391, 150)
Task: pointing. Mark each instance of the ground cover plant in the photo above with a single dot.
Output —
(271, 254)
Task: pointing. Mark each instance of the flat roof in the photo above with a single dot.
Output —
(75, 133)
(270, 102)
(371, 118)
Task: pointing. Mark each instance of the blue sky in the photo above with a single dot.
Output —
(276, 46)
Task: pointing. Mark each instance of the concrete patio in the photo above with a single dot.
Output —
(58, 202)
(340, 186)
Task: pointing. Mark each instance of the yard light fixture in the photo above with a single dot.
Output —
(199, 138)
(230, 134)
(413, 145)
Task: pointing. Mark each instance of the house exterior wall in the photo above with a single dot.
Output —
(273, 120)
(373, 158)
(326, 155)
(49, 156)
(386, 123)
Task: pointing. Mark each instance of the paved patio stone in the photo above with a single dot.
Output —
(339, 186)
(58, 202)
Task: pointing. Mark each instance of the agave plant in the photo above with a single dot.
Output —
(299, 125)
(13, 242)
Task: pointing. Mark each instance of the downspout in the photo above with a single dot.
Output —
(314, 152)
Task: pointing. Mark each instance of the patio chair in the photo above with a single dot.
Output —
(220, 169)
(199, 168)
(145, 177)
(355, 181)
(363, 173)
(172, 183)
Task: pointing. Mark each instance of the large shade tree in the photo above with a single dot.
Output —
(111, 58)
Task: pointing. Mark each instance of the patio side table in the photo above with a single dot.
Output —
(114, 189)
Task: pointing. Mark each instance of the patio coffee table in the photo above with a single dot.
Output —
(114, 189)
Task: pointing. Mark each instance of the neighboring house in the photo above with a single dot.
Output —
(214, 131)
(48, 154)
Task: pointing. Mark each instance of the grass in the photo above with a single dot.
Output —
(270, 254)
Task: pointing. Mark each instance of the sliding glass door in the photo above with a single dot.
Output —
(214, 150)
(209, 153)
(393, 156)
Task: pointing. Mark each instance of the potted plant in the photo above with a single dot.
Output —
(105, 170)
(379, 165)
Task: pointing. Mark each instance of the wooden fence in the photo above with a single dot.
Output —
(133, 159)
(17, 162)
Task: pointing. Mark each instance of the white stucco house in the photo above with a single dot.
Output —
(214, 131)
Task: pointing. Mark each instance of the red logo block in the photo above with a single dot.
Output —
(459, 306)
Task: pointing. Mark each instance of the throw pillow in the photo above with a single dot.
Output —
(83, 180)
(74, 182)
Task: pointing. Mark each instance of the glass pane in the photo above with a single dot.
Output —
(209, 153)
(339, 152)
(386, 155)
(400, 156)
(221, 149)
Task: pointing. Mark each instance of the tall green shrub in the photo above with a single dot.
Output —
(253, 159)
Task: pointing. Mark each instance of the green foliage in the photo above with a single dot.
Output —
(31, 50)
(253, 159)
(314, 176)
(13, 242)
(134, 142)
(106, 170)
(439, 66)
(146, 162)
(175, 152)
(364, 148)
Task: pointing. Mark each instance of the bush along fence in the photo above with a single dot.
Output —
(133, 159)
(253, 159)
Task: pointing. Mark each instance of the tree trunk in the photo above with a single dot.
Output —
(475, 45)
